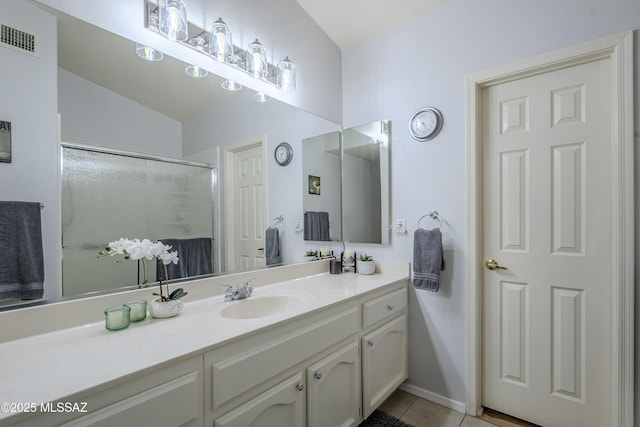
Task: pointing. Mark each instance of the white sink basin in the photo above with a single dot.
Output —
(264, 305)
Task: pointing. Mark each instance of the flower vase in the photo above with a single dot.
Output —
(162, 309)
(365, 267)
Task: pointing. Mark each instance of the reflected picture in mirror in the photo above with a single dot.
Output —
(5, 141)
(314, 185)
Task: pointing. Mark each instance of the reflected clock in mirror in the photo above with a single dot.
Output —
(283, 154)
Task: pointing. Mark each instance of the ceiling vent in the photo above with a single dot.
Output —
(18, 40)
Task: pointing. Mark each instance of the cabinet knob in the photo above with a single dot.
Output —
(370, 343)
(390, 307)
(317, 375)
(300, 387)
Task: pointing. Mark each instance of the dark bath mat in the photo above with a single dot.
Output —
(381, 419)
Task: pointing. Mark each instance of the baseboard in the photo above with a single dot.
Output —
(433, 397)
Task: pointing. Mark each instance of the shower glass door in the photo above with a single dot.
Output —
(106, 196)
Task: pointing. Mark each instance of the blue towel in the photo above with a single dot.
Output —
(428, 259)
(272, 246)
(22, 260)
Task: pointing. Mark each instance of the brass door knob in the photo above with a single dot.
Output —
(492, 264)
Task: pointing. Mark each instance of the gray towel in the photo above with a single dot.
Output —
(272, 246)
(174, 271)
(428, 259)
(194, 258)
(199, 256)
(22, 260)
(316, 226)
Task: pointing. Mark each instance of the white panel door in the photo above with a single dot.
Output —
(249, 208)
(546, 180)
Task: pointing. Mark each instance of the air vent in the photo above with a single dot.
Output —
(18, 40)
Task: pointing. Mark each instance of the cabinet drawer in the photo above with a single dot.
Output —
(383, 307)
(232, 376)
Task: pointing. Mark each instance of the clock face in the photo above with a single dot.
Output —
(283, 154)
(425, 124)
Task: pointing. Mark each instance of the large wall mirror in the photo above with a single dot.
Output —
(110, 99)
(346, 195)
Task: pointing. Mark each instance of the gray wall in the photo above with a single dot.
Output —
(94, 115)
(425, 62)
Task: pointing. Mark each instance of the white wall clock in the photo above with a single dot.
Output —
(425, 124)
(283, 154)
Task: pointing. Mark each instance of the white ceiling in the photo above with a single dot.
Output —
(349, 22)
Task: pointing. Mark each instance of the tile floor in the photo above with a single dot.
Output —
(419, 412)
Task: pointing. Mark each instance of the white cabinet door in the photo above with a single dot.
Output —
(333, 398)
(282, 406)
(384, 362)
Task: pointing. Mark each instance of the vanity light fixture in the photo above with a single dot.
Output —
(200, 42)
(221, 46)
(231, 86)
(287, 75)
(257, 59)
(147, 53)
(172, 22)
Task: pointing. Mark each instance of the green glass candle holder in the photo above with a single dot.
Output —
(138, 310)
(116, 318)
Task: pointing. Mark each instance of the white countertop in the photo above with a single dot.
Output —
(55, 365)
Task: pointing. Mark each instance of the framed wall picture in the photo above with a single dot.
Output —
(314, 185)
(5, 141)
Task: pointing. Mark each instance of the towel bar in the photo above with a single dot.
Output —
(433, 215)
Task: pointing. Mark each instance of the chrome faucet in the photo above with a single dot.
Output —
(241, 292)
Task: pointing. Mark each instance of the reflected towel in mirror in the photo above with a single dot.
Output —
(194, 258)
(272, 246)
(22, 260)
(316, 226)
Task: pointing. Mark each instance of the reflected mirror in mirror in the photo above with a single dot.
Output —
(365, 183)
(321, 199)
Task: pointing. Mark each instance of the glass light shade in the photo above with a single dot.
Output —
(221, 46)
(230, 85)
(260, 97)
(172, 22)
(199, 42)
(287, 75)
(147, 53)
(257, 60)
(195, 71)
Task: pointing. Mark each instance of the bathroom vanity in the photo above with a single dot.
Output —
(311, 350)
